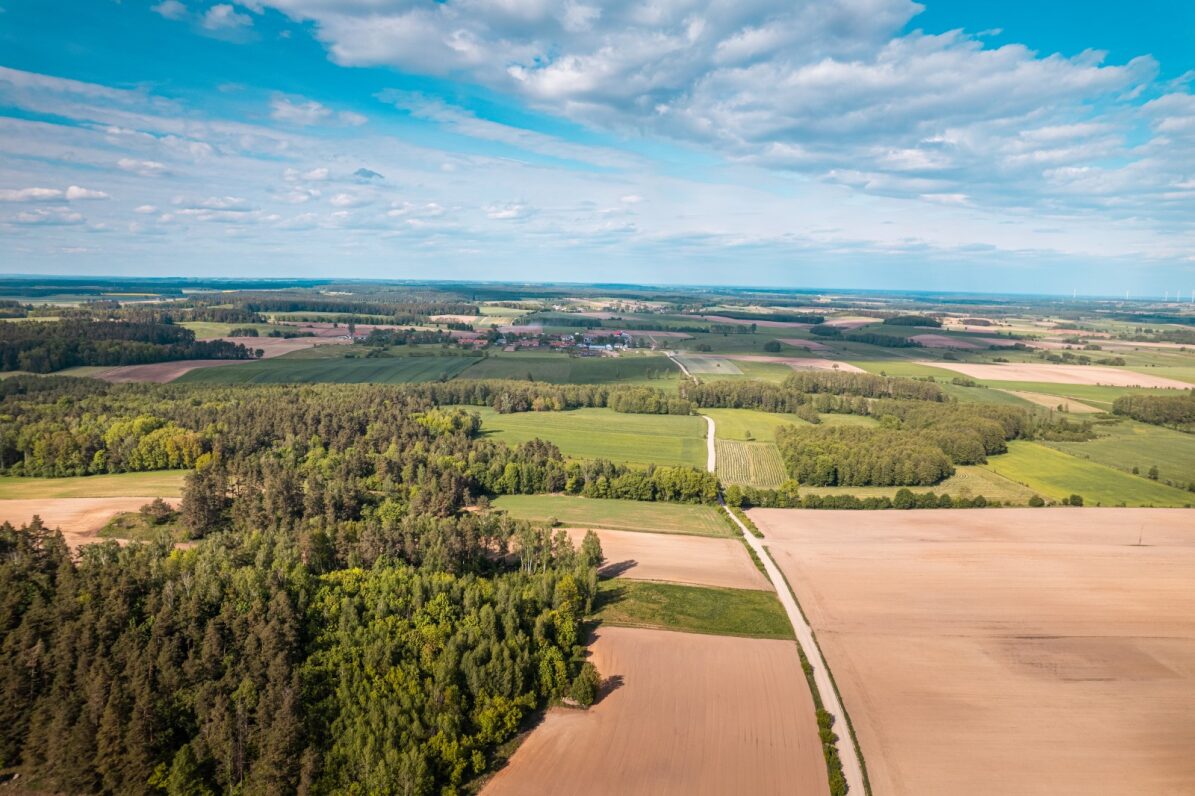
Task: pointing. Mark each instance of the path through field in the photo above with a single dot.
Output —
(852, 766)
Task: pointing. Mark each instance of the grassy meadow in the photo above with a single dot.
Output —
(692, 609)
(155, 483)
(618, 515)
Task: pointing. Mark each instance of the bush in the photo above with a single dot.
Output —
(586, 686)
(1075, 500)
(772, 346)
(1036, 501)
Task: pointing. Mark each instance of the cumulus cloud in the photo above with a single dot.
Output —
(508, 211)
(350, 200)
(145, 209)
(304, 113)
(72, 194)
(171, 9)
(75, 193)
(225, 17)
(55, 217)
(145, 168)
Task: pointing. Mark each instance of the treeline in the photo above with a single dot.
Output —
(253, 663)
(349, 306)
(47, 346)
(913, 320)
(788, 498)
(395, 337)
(804, 388)
(783, 317)
(1176, 411)
(528, 396)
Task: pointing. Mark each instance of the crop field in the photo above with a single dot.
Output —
(749, 425)
(1056, 402)
(160, 483)
(701, 365)
(654, 371)
(967, 481)
(382, 370)
(752, 463)
(1057, 475)
(1126, 444)
(1097, 396)
(674, 558)
(999, 652)
(1062, 374)
(623, 515)
(683, 713)
(754, 613)
(208, 330)
(605, 434)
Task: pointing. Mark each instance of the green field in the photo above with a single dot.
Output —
(655, 371)
(1098, 396)
(619, 515)
(692, 609)
(750, 424)
(700, 365)
(909, 370)
(1125, 444)
(751, 463)
(342, 370)
(135, 527)
(156, 483)
(967, 481)
(605, 434)
(206, 330)
(1180, 372)
(1057, 475)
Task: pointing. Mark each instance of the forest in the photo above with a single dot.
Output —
(45, 346)
(1176, 411)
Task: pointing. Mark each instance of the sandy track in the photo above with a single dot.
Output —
(1054, 401)
(1027, 651)
(799, 363)
(696, 560)
(79, 519)
(1058, 374)
(691, 714)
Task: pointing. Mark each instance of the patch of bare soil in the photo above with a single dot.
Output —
(675, 558)
(1026, 651)
(1055, 401)
(79, 519)
(1059, 374)
(799, 363)
(683, 713)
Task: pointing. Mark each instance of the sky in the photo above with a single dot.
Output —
(965, 145)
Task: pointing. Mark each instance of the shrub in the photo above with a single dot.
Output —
(1036, 501)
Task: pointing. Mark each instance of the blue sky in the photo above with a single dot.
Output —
(1009, 146)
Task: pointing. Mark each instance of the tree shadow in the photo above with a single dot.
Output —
(608, 687)
(616, 568)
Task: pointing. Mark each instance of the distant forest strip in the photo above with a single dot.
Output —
(47, 346)
(1175, 411)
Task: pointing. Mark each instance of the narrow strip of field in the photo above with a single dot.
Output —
(79, 519)
(692, 609)
(755, 464)
(1127, 444)
(750, 425)
(1059, 374)
(605, 434)
(380, 370)
(163, 483)
(622, 515)
(968, 481)
(675, 559)
(682, 713)
(1018, 651)
(1058, 475)
(1054, 402)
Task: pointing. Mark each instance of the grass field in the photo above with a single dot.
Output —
(910, 370)
(163, 483)
(342, 370)
(655, 371)
(1181, 372)
(692, 609)
(1057, 475)
(133, 526)
(1125, 444)
(621, 515)
(605, 434)
(751, 463)
(750, 424)
(206, 330)
(700, 365)
(967, 481)
(1099, 396)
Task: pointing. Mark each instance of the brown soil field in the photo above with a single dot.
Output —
(812, 345)
(695, 560)
(853, 322)
(277, 346)
(685, 713)
(1026, 651)
(1059, 374)
(79, 519)
(162, 372)
(1054, 401)
(799, 363)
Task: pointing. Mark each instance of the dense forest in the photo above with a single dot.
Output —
(854, 456)
(45, 346)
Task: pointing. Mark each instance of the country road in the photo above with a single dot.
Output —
(852, 766)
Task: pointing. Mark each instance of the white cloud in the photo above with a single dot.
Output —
(631, 199)
(350, 200)
(75, 193)
(225, 17)
(300, 113)
(145, 209)
(171, 9)
(54, 217)
(145, 168)
(352, 119)
(508, 211)
(29, 194)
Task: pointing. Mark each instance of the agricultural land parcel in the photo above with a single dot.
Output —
(1029, 651)
(626, 515)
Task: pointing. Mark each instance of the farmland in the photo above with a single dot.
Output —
(1126, 444)
(676, 559)
(752, 463)
(605, 434)
(656, 371)
(1058, 475)
(685, 713)
(693, 609)
(750, 424)
(968, 481)
(160, 483)
(625, 515)
(1019, 651)
(343, 370)
(79, 519)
